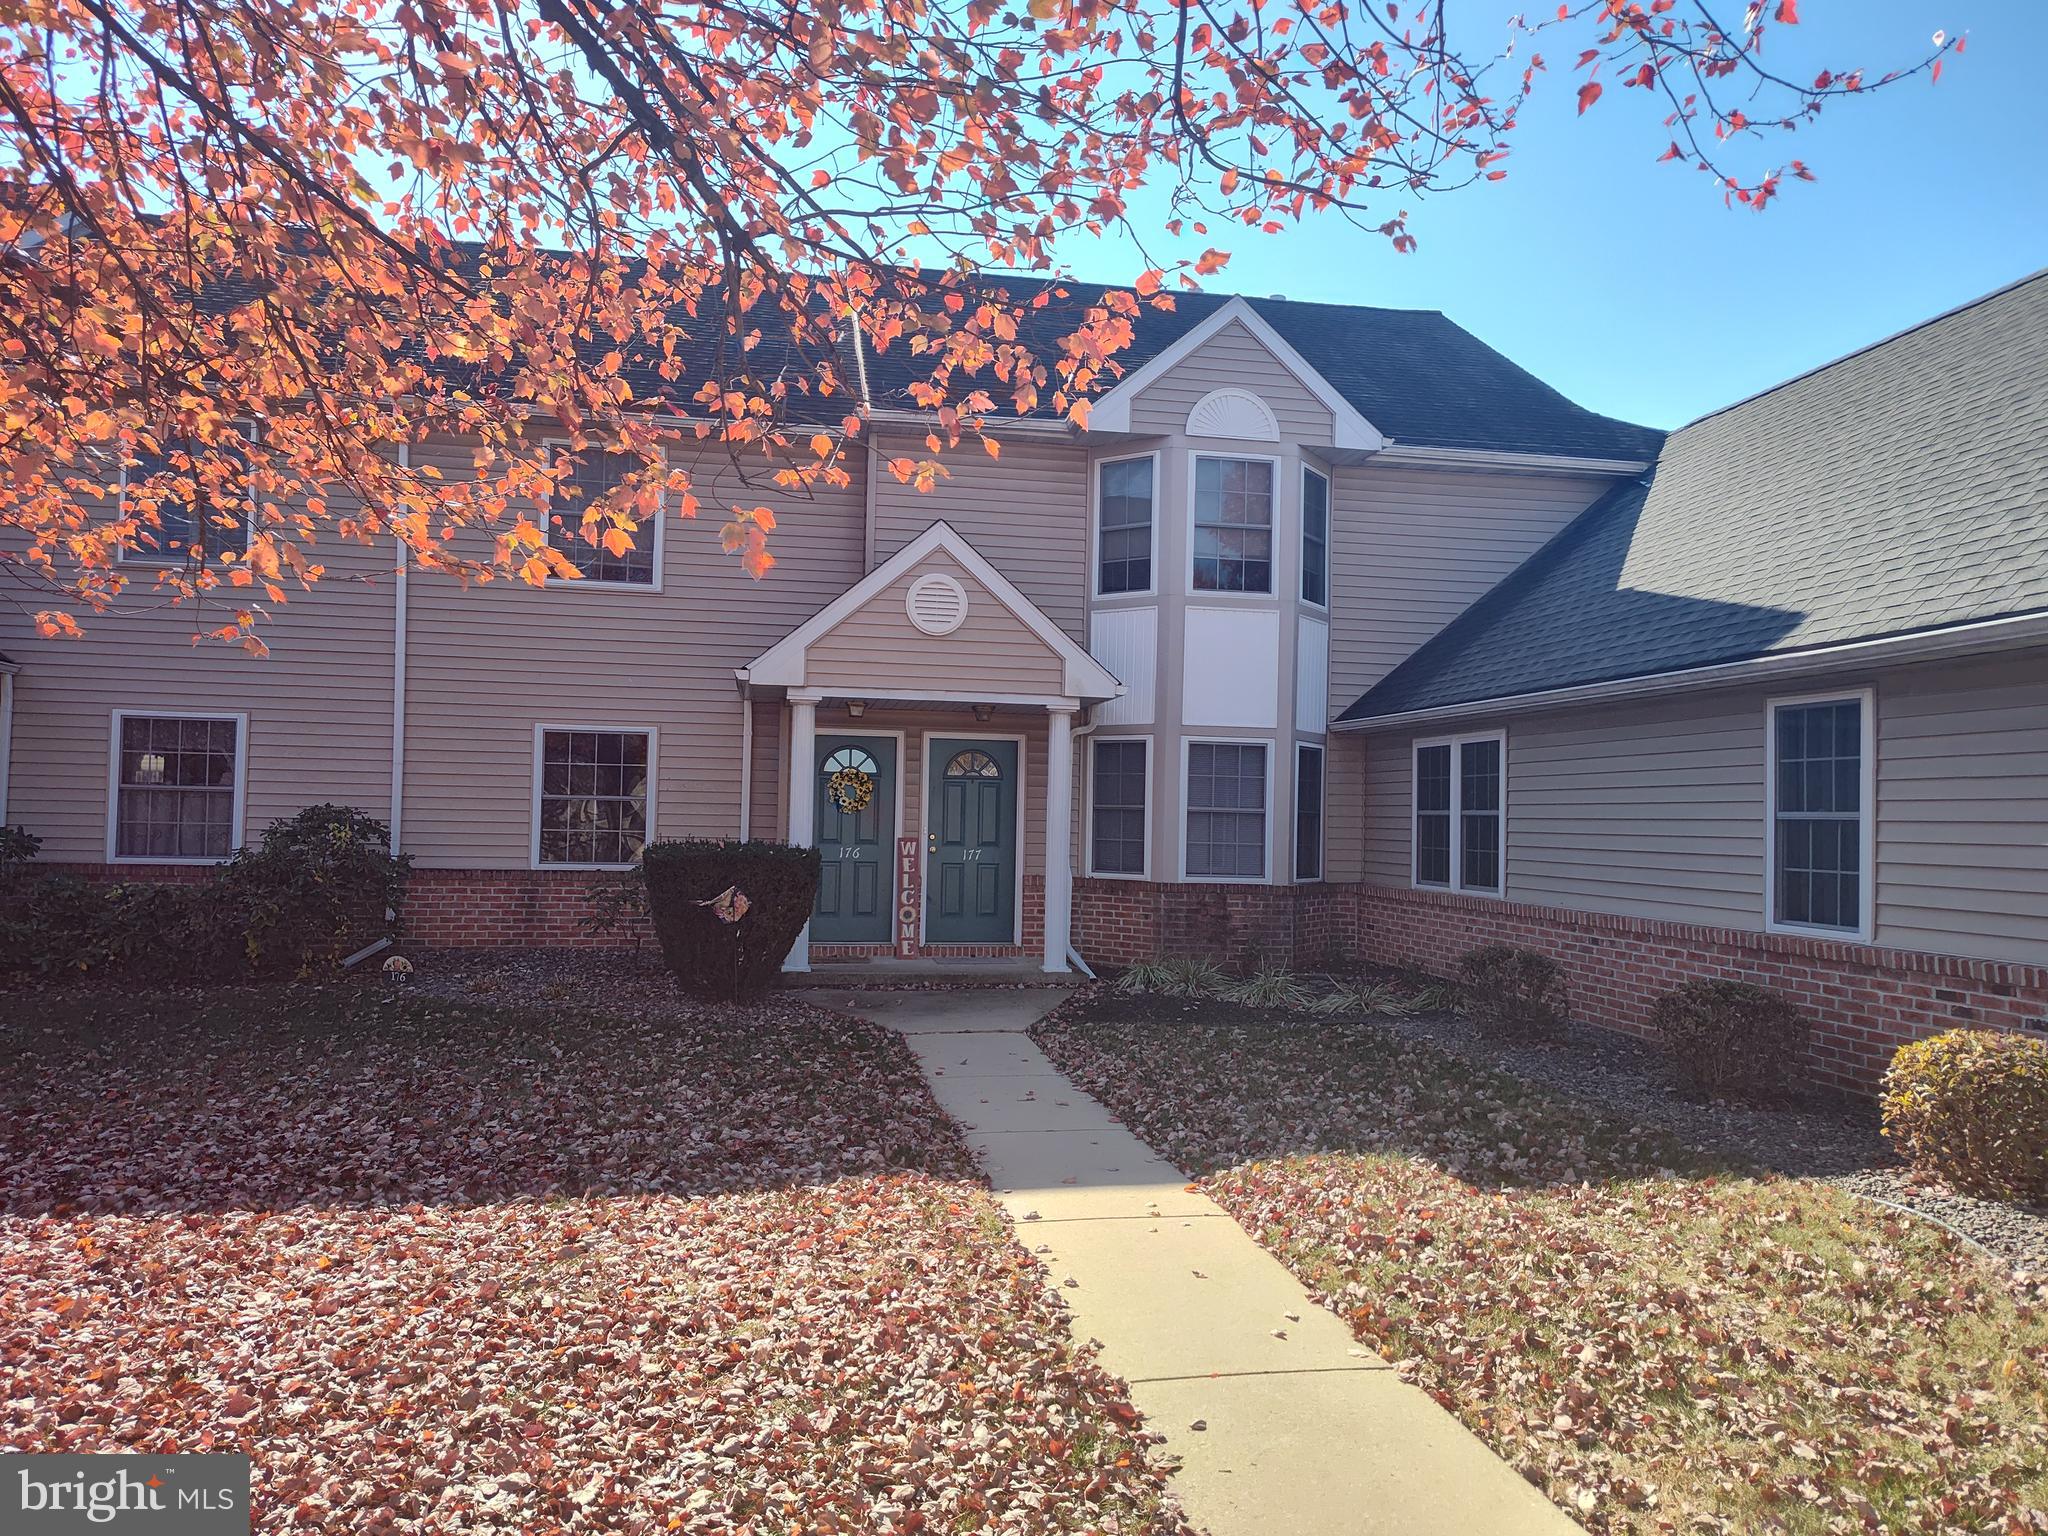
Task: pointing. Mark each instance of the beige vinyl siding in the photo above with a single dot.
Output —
(1233, 358)
(1653, 811)
(1411, 549)
(993, 652)
(1344, 808)
(1962, 799)
(1657, 810)
(1025, 513)
(319, 706)
(487, 664)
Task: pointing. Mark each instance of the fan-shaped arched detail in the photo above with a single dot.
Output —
(1236, 413)
(850, 757)
(973, 765)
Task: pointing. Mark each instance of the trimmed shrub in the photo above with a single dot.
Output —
(1971, 1105)
(319, 886)
(1731, 1038)
(1514, 994)
(17, 847)
(713, 957)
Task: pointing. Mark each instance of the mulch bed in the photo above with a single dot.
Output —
(1660, 1340)
(602, 1262)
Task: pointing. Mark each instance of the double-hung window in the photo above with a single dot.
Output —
(189, 500)
(1820, 827)
(177, 790)
(1226, 810)
(594, 474)
(1460, 812)
(1123, 550)
(1233, 531)
(1117, 781)
(1315, 538)
(593, 796)
(1308, 812)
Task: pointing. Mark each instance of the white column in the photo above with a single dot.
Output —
(1059, 835)
(803, 800)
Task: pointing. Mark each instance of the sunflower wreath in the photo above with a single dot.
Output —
(851, 790)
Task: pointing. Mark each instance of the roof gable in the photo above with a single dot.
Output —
(1070, 671)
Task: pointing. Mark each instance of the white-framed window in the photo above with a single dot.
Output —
(1120, 807)
(593, 795)
(1231, 543)
(1126, 525)
(175, 786)
(1309, 761)
(594, 474)
(1819, 843)
(1228, 806)
(1315, 537)
(1460, 814)
(203, 488)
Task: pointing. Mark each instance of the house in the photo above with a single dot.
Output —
(1335, 632)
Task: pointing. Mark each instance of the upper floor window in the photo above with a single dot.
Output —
(177, 786)
(1123, 552)
(1460, 812)
(1233, 542)
(594, 474)
(592, 796)
(1820, 812)
(1226, 810)
(1315, 538)
(199, 496)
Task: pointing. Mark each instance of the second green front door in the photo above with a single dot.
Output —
(971, 842)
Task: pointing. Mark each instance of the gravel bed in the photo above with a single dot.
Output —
(1831, 1138)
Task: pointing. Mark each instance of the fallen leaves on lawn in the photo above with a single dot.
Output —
(1660, 1344)
(454, 1269)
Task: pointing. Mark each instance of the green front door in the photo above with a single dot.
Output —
(971, 844)
(856, 789)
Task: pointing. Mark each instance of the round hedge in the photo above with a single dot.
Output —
(1731, 1038)
(1972, 1106)
(710, 957)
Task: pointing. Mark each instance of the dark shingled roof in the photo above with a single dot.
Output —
(1903, 488)
(1415, 375)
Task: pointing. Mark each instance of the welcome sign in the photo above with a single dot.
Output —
(908, 897)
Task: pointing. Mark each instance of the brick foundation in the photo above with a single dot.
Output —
(1864, 1001)
(1119, 922)
(485, 908)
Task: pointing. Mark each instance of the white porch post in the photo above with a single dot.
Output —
(803, 804)
(1059, 834)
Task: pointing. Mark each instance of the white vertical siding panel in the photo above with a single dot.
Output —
(1126, 640)
(1311, 675)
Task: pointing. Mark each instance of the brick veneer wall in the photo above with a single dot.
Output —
(1863, 1001)
(1119, 922)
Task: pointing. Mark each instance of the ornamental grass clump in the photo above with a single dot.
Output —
(1731, 1039)
(1514, 994)
(1971, 1106)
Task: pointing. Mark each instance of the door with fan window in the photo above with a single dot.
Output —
(856, 830)
(971, 842)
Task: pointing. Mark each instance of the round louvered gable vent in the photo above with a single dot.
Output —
(936, 603)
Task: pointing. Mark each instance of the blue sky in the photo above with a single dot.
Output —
(1629, 286)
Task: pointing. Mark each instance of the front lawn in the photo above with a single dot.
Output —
(441, 1267)
(1660, 1343)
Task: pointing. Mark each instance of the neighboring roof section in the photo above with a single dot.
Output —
(1901, 489)
(1411, 373)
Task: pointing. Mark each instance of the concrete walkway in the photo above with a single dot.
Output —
(1282, 1422)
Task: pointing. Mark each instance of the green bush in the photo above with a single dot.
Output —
(711, 957)
(319, 886)
(1972, 1106)
(17, 847)
(1514, 994)
(1730, 1038)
